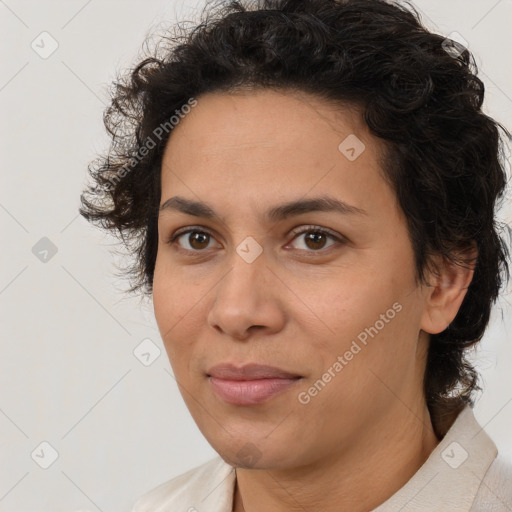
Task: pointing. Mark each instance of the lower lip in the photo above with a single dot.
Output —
(249, 392)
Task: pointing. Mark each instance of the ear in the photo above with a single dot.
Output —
(446, 289)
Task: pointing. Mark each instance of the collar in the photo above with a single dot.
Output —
(449, 479)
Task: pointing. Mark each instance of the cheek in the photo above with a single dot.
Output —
(178, 303)
(163, 299)
(173, 295)
(170, 305)
(375, 308)
(354, 300)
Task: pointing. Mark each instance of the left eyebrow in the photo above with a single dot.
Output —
(275, 214)
(315, 204)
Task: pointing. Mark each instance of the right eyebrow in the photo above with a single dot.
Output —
(189, 207)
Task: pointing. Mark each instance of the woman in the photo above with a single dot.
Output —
(309, 191)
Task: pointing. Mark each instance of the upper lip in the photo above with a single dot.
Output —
(250, 371)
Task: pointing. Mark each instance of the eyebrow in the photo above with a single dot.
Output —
(275, 214)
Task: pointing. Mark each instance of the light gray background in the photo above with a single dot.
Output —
(68, 375)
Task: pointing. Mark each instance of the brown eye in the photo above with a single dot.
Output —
(192, 240)
(315, 239)
(198, 240)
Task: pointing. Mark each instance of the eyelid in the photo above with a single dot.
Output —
(314, 228)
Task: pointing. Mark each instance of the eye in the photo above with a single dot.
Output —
(197, 240)
(315, 238)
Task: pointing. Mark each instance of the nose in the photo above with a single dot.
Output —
(248, 299)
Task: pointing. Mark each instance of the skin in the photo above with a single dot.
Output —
(300, 304)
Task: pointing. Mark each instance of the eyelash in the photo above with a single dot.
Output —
(295, 234)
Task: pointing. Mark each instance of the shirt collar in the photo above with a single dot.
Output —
(450, 477)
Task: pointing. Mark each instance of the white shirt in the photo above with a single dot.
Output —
(464, 473)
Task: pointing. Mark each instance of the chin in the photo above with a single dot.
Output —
(253, 454)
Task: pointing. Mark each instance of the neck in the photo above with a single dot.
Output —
(357, 479)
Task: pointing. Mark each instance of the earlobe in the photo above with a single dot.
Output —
(445, 292)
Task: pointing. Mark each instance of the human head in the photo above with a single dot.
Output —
(441, 153)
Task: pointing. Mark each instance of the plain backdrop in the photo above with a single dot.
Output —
(111, 427)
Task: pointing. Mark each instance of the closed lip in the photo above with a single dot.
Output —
(250, 371)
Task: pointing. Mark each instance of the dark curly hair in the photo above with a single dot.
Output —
(417, 90)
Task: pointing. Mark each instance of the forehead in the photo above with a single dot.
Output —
(281, 144)
(262, 117)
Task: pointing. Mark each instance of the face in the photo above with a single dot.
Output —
(325, 294)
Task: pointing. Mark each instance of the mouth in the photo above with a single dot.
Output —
(250, 384)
